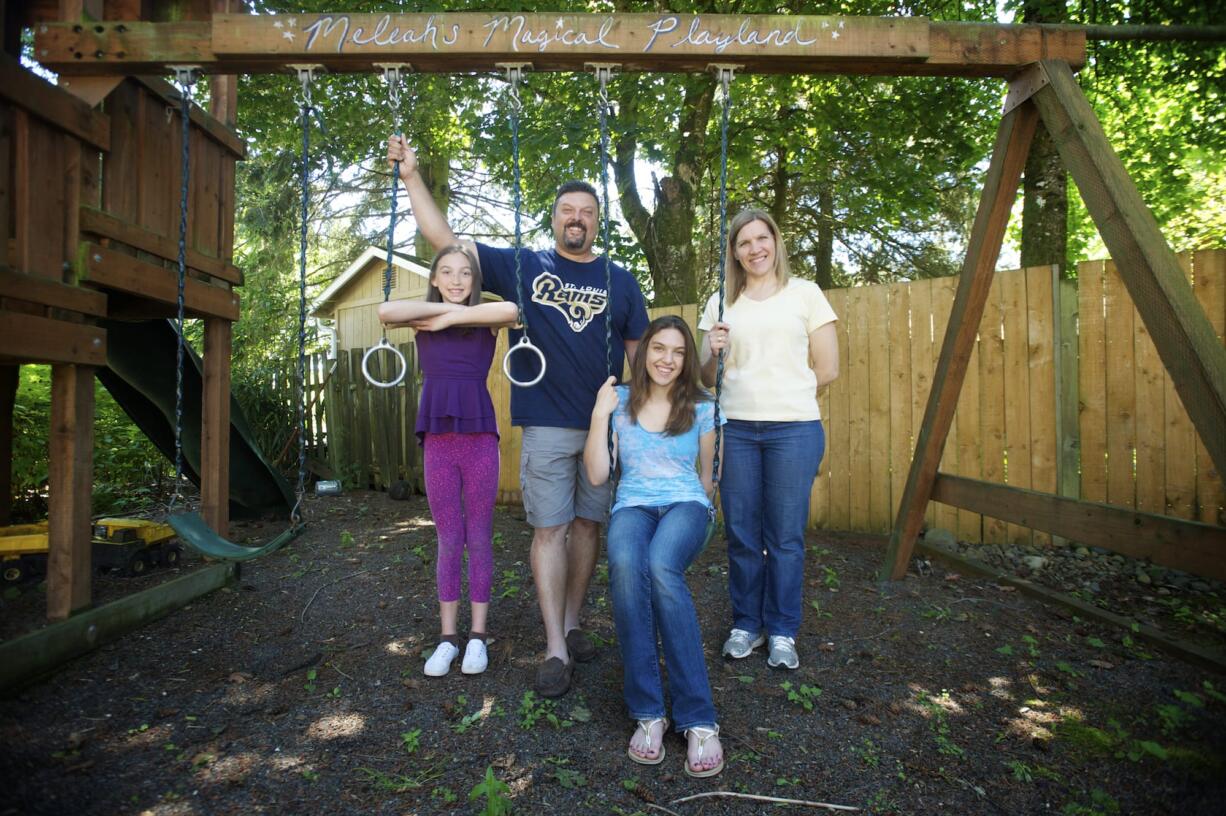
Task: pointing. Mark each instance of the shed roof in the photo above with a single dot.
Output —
(323, 304)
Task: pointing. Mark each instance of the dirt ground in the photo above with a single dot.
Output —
(299, 689)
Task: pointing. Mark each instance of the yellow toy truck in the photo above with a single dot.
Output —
(134, 546)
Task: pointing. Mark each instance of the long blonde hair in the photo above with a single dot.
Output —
(733, 271)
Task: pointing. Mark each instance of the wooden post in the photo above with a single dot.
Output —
(999, 192)
(1183, 336)
(215, 426)
(70, 483)
(1068, 397)
(9, 377)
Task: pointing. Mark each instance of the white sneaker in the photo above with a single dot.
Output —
(475, 657)
(783, 653)
(440, 662)
(740, 643)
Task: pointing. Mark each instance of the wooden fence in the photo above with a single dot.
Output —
(1064, 394)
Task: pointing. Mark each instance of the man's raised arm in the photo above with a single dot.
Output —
(430, 219)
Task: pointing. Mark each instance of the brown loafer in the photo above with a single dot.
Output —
(580, 646)
(553, 677)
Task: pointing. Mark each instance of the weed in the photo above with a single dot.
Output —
(400, 783)
(346, 539)
(497, 539)
(1032, 645)
(787, 781)
(882, 802)
(1172, 718)
(1213, 693)
(309, 685)
(1095, 642)
(745, 678)
(1006, 650)
(1021, 771)
(494, 792)
(938, 613)
(869, 753)
(335, 693)
(817, 609)
(1068, 669)
(532, 709)
(309, 775)
(830, 577)
(1100, 804)
(938, 723)
(411, 740)
(805, 696)
(446, 795)
(510, 584)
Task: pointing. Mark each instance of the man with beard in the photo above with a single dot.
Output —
(568, 307)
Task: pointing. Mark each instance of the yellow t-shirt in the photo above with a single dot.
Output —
(767, 377)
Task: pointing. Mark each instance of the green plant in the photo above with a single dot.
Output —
(1100, 804)
(309, 775)
(805, 696)
(938, 723)
(1020, 770)
(869, 753)
(309, 685)
(346, 539)
(446, 795)
(335, 693)
(400, 783)
(1032, 645)
(494, 791)
(830, 577)
(411, 740)
(817, 609)
(510, 584)
(532, 709)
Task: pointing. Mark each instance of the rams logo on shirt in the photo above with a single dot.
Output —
(578, 304)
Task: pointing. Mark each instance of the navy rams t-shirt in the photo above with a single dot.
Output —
(566, 305)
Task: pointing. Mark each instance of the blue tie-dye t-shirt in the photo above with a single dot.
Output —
(658, 469)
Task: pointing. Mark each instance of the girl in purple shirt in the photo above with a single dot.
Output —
(457, 428)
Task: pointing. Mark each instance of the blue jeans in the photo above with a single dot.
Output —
(649, 550)
(768, 473)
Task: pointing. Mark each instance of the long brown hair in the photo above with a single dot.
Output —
(685, 391)
(733, 271)
(433, 295)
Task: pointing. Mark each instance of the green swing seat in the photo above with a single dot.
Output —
(200, 537)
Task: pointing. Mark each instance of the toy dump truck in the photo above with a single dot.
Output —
(134, 546)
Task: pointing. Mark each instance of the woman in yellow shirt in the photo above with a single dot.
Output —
(780, 344)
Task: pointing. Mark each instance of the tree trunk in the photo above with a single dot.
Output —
(823, 261)
(1045, 182)
(666, 233)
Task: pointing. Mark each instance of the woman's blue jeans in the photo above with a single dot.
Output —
(649, 550)
(768, 473)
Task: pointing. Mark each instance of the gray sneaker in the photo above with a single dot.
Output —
(740, 643)
(783, 653)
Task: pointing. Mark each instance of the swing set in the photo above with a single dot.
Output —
(1036, 62)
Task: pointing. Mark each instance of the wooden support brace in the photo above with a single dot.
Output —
(1182, 334)
(215, 427)
(999, 192)
(27, 338)
(114, 270)
(70, 486)
(1186, 545)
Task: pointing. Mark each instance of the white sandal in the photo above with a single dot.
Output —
(646, 726)
(703, 735)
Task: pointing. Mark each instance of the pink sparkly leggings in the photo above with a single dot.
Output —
(461, 486)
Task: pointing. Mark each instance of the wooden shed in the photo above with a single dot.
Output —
(352, 300)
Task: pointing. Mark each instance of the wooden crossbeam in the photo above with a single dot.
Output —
(114, 270)
(476, 41)
(1182, 334)
(999, 192)
(1186, 545)
(48, 292)
(103, 224)
(27, 338)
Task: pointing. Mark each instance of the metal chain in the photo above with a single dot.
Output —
(305, 76)
(725, 79)
(603, 73)
(514, 75)
(391, 73)
(186, 79)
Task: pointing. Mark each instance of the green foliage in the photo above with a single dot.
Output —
(805, 696)
(532, 709)
(494, 792)
(129, 472)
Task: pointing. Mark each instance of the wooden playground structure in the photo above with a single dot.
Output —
(87, 187)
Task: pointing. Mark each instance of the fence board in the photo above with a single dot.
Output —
(859, 431)
(1209, 269)
(902, 442)
(877, 304)
(1179, 442)
(1118, 315)
(1017, 389)
(992, 402)
(838, 441)
(1092, 380)
(968, 444)
(1040, 344)
(921, 363)
(943, 290)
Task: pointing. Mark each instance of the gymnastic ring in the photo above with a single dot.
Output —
(526, 344)
(381, 346)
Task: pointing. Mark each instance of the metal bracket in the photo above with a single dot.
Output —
(603, 69)
(394, 70)
(306, 71)
(185, 74)
(514, 71)
(722, 68)
(1025, 84)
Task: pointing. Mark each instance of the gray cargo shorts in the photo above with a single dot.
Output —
(555, 486)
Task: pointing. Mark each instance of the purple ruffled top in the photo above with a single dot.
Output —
(455, 363)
